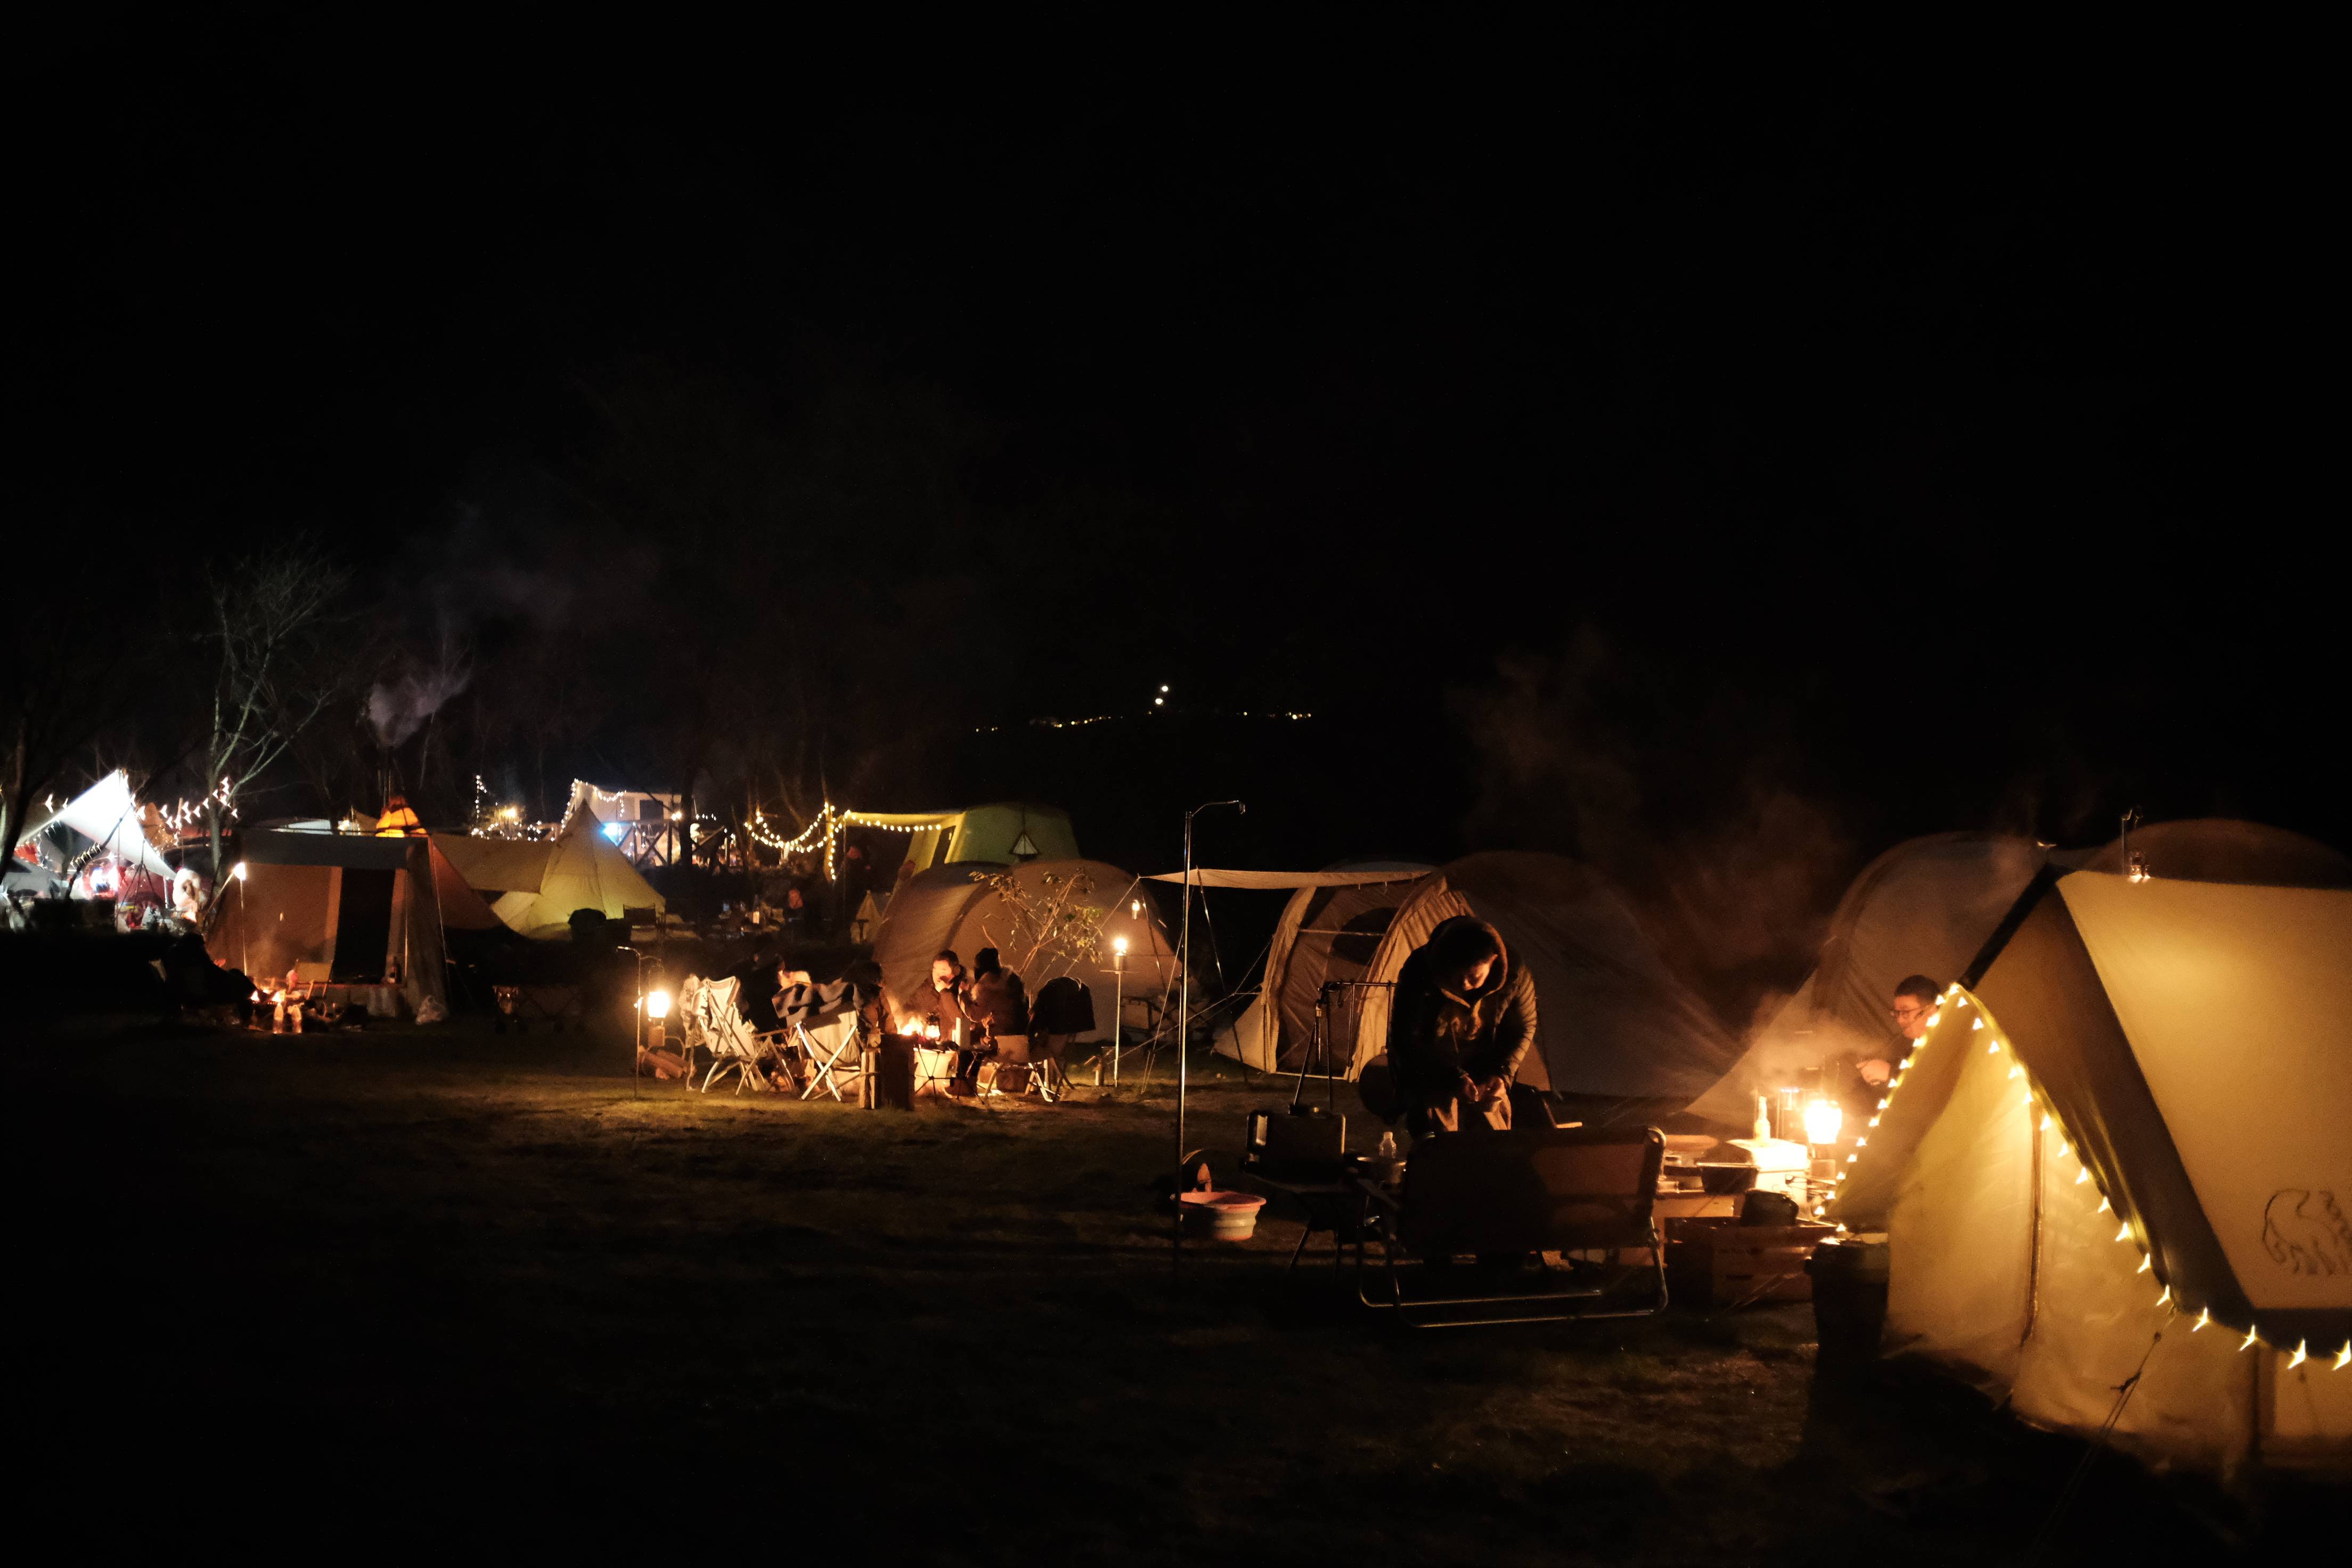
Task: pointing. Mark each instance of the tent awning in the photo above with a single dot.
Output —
(1270, 880)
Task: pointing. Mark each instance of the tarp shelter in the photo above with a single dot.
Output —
(1924, 906)
(1614, 1025)
(2119, 1161)
(112, 818)
(1003, 833)
(948, 907)
(1330, 931)
(356, 904)
(580, 868)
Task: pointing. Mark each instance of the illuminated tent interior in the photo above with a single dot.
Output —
(2119, 1160)
(356, 904)
(947, 908)
(1330, 931)
(1617, 1034)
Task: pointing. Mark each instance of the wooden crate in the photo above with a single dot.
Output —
(1723, 1262)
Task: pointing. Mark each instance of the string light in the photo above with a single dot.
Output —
(2248, 1343)
(2125, 1234)
(2203, 1318)
(2344, 1356)
(2146, 1262)
(2166, 1299)
(2297, 1359)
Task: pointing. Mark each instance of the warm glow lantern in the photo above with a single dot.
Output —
(1118, 945)
(1823, 1119)
(656, 1004)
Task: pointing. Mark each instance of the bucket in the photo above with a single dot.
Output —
(1221, 1216)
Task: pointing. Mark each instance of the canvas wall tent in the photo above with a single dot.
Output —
(1004, 833)
(1330, 931)
(1616, 1032)
(946, 908)
(1924, 906)
(2119, 1161)
(357, 904)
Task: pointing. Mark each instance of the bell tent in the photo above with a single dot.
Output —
(2115, 1176)
(580, 868)
(951, 907)
(1616, 1031)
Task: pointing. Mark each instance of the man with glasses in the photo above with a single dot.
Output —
(1914, 1003)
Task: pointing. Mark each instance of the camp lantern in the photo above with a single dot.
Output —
(1823, 1121)
(657, 1005)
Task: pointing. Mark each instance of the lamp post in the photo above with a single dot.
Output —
(1118, 999)
(1184, 973)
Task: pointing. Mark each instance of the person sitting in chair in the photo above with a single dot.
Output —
(1464, 1018)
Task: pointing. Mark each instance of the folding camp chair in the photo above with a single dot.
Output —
(935, 1069)
(1038, 1058)
(1510, 1193)
(718, 1025)
(834, 1066)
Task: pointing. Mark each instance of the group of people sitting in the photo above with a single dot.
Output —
(972, 1010)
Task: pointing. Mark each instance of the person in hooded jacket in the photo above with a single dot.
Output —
(1463, 1017)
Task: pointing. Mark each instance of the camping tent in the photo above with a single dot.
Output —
(1927, 905)
(1330, 931)
(1613, 1025)
(1004, 833)
(949, 906)
(113, 819)
(1924, 906)
(580, 868)
(356, 904)
(2115, 1176)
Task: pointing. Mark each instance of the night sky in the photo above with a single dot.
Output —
(1721, 437)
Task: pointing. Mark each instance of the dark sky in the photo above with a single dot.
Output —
(1921, 426)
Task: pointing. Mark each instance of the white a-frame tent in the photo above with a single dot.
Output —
(2115, 1176)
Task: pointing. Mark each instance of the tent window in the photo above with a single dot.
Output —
(363, 925)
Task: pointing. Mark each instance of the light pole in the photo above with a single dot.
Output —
(1184, 971)
(1118, 999)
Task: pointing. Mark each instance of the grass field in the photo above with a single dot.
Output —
(336, 1289)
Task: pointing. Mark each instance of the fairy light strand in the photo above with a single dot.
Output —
(2067, 1149)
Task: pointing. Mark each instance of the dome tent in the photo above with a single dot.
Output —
(951, 907)
(1612, 1024)
(1922, 908)
(2124, 1129)
(1927, 905)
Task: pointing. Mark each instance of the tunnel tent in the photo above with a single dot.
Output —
(1616, 1033)
(356, 904)
(1924, 906)
(2118, 1162)
(951, 907)
(1330, 931)
(582, 870)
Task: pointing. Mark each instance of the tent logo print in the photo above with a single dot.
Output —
(2306, 1233)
